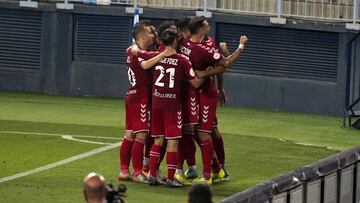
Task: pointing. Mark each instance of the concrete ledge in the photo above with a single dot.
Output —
(280, 21)
(132, 10)
(30, 4)
(65, 6)
(206, 14)
(352, 26)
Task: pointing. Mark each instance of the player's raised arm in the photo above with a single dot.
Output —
(224, 49)
(210, 71)
(226, 63)
(230, 60)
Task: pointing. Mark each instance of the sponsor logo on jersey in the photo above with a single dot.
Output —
(131, 92)
(162, 95)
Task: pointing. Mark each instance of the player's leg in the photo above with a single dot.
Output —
(173, 125)
(157, 131)
(146, 163)
(190, 133)
(159, 176)
(154, 160)
(206, 120)
(137, 156)
(218, 143)
(220, 151)
(187, 148)
(126, 146)
(125, 155)
(140, 122)
(190, 152)
(218, 172)
(184, 144)
(171, 161)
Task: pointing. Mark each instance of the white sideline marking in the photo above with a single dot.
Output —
(59, 163)
(69, 137)
(307, 144)
(54, 134)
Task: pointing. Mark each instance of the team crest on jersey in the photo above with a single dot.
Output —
(216, 56)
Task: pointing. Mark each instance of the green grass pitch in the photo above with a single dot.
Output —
(260, 145)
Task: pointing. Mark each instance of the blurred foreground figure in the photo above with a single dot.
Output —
(94, 188)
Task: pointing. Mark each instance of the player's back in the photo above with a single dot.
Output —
(140, 79)
(168, 75)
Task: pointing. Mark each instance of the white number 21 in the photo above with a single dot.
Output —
(162, 73)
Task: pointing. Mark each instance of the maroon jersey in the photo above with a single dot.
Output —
(210, 42)
(168, 75)
(201, 58)
(184, 46)
(140, 79)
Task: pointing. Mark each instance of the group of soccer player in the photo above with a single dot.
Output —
(171, 103)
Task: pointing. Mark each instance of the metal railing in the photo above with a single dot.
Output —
(333, 179)
(334, 10)
(337, 10)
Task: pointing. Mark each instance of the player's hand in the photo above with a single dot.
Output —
(222, 97)
(169, 51)
(200, 80)
(202, 73)
(134, 49)
(224, 49)
(243, 40)
(223, 46)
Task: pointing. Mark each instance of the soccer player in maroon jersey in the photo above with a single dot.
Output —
(201, 57)
(137, 104)
(166, 113)
(150, 140)
(188, 143)
(187, 147)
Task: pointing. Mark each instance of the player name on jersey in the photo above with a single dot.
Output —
(185, 50)
(170, 61)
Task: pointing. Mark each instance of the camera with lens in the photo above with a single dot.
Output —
(116, 195)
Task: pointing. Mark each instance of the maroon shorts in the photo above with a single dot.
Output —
(138, 116)
(166, 123)
(207, 113)
(190, 107)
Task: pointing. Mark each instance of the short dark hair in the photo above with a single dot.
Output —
(184, 23)
(200, 193)
(138, 30)
(168, 36)
(196, 23)
(165, 25)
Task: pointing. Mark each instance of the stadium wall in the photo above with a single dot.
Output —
(81, 52)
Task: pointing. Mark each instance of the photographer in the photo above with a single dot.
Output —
(96, 191)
